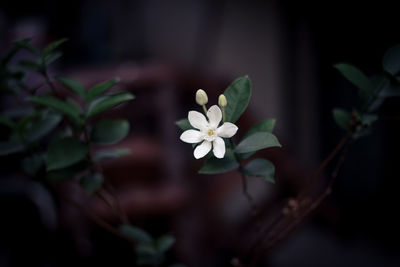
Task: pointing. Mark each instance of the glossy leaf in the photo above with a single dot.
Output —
(25, 43)
(260, 168)
(263, 126)
(238, 96)
(57, 105)
(164, 243)
(109, 131)
(368, 119)
(184, 124)
(10, 147)
(43, 126)
(100, 88)
(106, 102)
(214, 165)
(68, 172)
(92, 182)
(52, 57)
(342, 118)
(391, 60)
(72, 85)
(65, 152)
(110, 154)
(390, 89)
(75, 105)
(50, 47)
(256, 142)
(31, 65)
(137, 234)
(356, 77)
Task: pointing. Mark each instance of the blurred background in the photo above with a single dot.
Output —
(163, 51)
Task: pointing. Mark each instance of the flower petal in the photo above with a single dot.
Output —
(214, 115)
(197, 120)
(219, 147)
(202, 149)
(192, 136)
(227, 130)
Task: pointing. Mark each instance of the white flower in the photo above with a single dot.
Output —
(209, 133)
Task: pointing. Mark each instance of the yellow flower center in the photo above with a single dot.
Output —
(210, 132)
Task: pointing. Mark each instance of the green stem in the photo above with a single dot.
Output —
(223, 114)
(50, 83)
(205, 109)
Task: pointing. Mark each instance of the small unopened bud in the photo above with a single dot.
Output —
(201, 97)
(222, 101)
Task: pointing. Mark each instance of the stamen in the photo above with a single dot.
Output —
(210, 132)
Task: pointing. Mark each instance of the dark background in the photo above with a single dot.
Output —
(288, 49)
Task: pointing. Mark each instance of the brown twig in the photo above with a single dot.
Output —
(286, 229)
(323, 165)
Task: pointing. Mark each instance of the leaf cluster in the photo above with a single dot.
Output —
(372, 91)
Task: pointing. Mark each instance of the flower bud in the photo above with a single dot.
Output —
(222, 101)
(201, 97)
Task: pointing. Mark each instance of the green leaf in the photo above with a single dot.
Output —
(92, 182)
(109, 131)
(25, 43)
(7, 122)
(256, 142)
(390, 89)
(263, 126)
(184, 124)
(58, 105)
(391, 60)
(356, 77)
(342, 118)
(145, 250)
(72, 85)
(137, 234)
(73, 104)
(214, 165)
(10, 147)
(65, 152)
(368, 119)
(238, 96)
(164, 243)
(100, 88)
(49, 48)
(52, 57)
(110, 154)
(260, 168)
(32, 164)
(68, 172)
(44, 126)
(106, 102)
(31, 65)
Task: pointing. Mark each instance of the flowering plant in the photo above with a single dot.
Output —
(227, 155)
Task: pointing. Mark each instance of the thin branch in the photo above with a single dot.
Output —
(323, 165)
(252, 203)
(121, 211)
(50, 83)
(274, 239)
